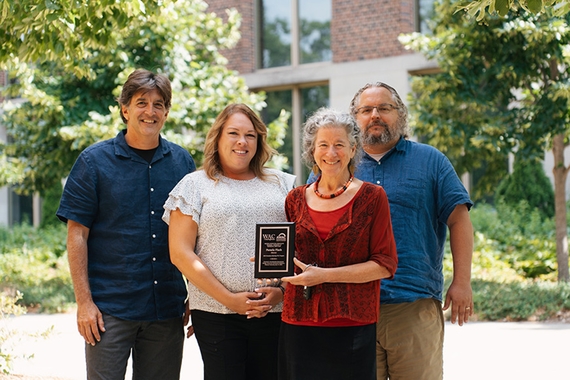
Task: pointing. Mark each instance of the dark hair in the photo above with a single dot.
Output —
(329, 118)
(144, 80)
(212, 165)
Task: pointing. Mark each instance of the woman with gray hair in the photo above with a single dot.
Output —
(344, 245)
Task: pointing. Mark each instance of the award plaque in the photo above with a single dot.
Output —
(274, 249)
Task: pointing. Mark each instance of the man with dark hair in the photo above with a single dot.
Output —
(130, 298)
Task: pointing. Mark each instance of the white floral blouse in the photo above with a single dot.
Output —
(226, 213)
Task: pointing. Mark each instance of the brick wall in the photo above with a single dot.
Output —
(369, 29)
(242, 57)
(360, 30)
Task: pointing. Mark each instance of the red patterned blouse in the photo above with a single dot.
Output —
(363, 233)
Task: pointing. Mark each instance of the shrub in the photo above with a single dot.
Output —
(519, 236)
(50, 204)
(34, 262)
(8, 335)
(511, 246)
(527, 182)
(51, 238)
(8, 307)
(519, 301)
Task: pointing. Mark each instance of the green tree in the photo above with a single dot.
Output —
(478, 8)
(66, 30)
(64, 113)
(501, 88)
(527, 183)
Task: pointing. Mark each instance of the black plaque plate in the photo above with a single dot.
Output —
(274, 249)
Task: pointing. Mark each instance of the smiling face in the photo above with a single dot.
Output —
(145, 115)
(378, 129)
(333, 151)
(237, 146)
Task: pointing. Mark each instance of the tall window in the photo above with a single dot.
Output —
(301, 102)
(315, 31)
(425, 11)
(293, 32)
(20, 208)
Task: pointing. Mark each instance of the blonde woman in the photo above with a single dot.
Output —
(212, 216)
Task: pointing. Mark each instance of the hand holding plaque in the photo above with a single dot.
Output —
(274, 250)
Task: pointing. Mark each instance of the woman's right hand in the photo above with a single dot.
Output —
(238, 301)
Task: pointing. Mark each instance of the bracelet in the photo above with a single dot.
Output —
(282, 289)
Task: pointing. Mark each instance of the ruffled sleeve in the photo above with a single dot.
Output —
(186, 196)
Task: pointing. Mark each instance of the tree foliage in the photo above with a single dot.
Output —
(502, 87)
(529, 184)
(65, 112)
(66, 30)
(479, 8)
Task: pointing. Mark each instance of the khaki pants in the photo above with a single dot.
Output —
(409, 341)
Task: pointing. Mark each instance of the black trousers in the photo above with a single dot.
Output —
(332, 353)
(236, 348)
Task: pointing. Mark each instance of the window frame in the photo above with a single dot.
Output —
(295, 46)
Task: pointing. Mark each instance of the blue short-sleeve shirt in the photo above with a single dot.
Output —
(119, 197)
(423, 189)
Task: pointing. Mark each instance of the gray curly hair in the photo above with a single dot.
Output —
(329, 118)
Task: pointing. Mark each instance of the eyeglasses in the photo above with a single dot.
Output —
(383, 109)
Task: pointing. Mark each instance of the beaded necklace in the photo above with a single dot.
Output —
(336, 193)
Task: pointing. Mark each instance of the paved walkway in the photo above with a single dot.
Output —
(478, 350)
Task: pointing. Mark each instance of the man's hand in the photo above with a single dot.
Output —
(90, 322)
(460, 299)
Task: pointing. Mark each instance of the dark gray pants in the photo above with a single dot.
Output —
(156, 348)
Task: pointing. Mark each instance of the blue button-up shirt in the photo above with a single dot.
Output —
(423, 189)
(119, 197)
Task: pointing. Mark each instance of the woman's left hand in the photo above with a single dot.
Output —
(311, 275)
(258, 308)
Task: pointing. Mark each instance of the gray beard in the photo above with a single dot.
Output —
(383, 138)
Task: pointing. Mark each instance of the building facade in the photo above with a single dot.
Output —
(310, 53)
